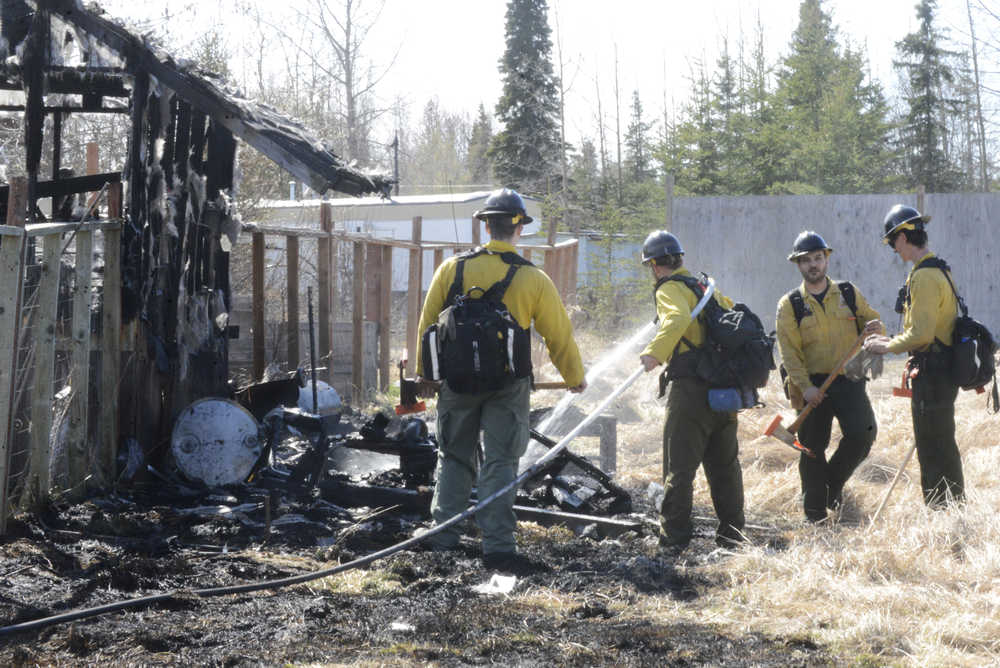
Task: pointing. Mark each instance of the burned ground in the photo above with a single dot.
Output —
(412, 607)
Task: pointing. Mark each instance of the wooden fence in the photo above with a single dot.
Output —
(55, 418)
(370, 279)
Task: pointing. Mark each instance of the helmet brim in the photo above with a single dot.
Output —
(794, 257)
(483, 214)
(908, 224)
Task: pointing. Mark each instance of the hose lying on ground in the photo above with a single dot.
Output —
(145, 601)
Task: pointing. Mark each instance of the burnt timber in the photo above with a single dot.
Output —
(178, 217)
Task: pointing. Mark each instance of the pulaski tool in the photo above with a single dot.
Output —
(787, 435)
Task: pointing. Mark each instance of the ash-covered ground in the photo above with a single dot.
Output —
(578, 606)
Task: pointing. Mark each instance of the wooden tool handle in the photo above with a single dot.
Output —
(794, 427)
(550, 385)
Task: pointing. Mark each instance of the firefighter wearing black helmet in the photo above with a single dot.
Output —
(817, 324)
(693, 434)
(501, 415)
(929, 308)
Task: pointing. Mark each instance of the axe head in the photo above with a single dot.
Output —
(788, 438)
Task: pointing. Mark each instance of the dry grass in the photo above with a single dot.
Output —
(921, 587)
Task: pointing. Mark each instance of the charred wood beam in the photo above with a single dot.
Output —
(70, 109)
(72, 185)
(15, 19)
(105, 82)
(132, 232)
(57, 202)
(274, 135)
(182, 142)
(35, 59)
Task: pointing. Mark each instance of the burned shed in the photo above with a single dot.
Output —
(173, 196)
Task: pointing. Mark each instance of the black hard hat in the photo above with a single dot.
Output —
(504, 202)
(902, 217)
(807, 242)
(658, 244)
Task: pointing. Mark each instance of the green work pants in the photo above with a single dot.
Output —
(694, 435)
(502, 416)
(933, 409)
(822, 479)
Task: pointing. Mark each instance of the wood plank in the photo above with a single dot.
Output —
(11, 273)
(45, 356)
(574, 264)
(373, 281)
(292, 319)
(385, 319)
(111, 338)
(93, 158)
(477, 231)
(438, 257)
(358, 348)
(413, 298)
(45, 229)
(77, 443)
(257, 282)
(326, 277)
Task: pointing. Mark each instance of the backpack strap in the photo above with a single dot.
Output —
(937, 263)
(798, 306)
(513, 259)
(851, 299)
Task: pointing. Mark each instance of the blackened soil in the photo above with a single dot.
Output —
(579, 607)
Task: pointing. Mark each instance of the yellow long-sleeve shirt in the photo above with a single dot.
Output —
(674, 303)
(825, 334)
(532, 297)
(931, 312)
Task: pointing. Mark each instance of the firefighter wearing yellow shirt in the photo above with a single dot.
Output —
(817, 324)
(929, 309)
(693, 434)
(501, 415)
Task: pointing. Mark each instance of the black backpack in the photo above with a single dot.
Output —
(972, 345)
(476, 345)
(800, 310)
(738, 352)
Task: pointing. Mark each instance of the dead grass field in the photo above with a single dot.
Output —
(921, 587)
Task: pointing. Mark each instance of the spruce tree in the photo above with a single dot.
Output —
(526, 151)
(478, 163)
(824, 97)
(637, 151)
(923, 129)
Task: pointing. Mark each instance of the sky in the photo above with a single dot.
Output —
(449, 49)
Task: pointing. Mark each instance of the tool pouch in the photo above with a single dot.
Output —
(726, 400)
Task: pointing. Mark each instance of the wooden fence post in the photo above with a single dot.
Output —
(78, 451)
(416, 279)
(111, 337)
(257, 281)
(11, 273)
(327, 278)
(385, 319)
(574, 268)
(477, 231)
(292, 318)
(39, 481)
(357, 339)
(921, 194)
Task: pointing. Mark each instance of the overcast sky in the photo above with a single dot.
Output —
(450, 48)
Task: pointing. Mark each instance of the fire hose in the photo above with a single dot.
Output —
(145, 601)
